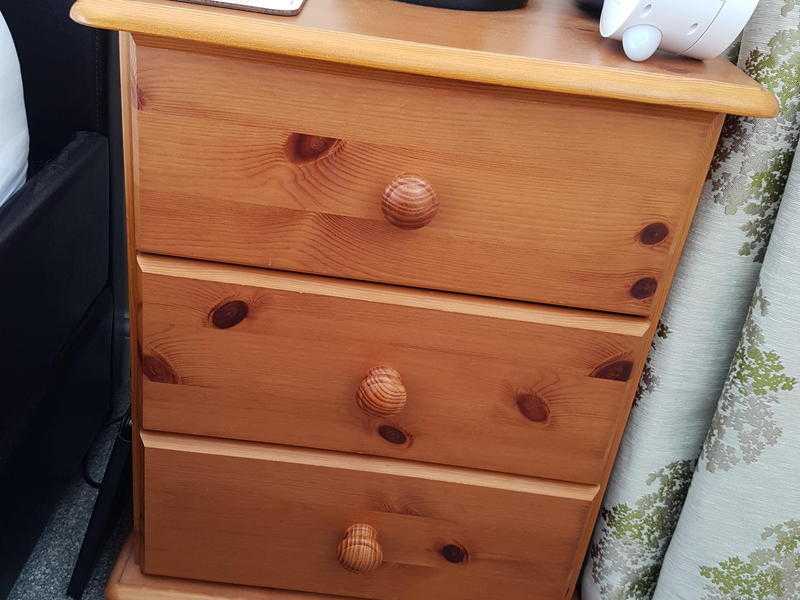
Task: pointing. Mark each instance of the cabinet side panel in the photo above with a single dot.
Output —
(127, 58)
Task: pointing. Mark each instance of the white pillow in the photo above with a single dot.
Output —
(13, 122)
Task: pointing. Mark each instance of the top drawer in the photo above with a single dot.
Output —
(543, 197)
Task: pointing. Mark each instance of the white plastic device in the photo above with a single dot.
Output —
(284, 8)
(697, 28)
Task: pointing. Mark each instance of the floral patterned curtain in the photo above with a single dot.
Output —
(704, 502)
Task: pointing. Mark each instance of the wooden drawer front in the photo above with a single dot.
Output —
(542, 197)
(273, 516)
(267, 356)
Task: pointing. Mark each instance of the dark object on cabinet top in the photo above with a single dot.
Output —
(472, 4)
(592, 7)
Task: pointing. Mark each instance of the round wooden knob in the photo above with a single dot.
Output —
(409, 202)
(359, 551)
(382, 393)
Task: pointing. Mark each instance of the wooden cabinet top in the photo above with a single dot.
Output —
(550, 45)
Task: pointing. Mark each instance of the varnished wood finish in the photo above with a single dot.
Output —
(698, 177)
(549, 46)
(360, 551)
(127, 582)
(127, 67)
(382, 393)
(537, 195)
(272, 515)
(552, 170)
(302, 148)
(409, 202)
(229, 314)
(290, 372)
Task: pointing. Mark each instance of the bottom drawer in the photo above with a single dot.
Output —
(276, 516)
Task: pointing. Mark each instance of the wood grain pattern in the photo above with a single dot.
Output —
(259, 514)
(549, 46)
(127, 582)
(409, 202)
(553, 212)
(290, 372)
(382, 393)
(127, 67)
(360, 551)
(563, 198)
(698, 176)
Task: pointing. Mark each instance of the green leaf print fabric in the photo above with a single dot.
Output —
(738, 536)
(702, 359)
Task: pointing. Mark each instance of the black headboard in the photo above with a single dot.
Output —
(63, 73)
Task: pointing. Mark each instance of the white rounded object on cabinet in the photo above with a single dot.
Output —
(700, 29)
(641, 41)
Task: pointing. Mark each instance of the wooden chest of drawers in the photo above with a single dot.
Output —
(394, 276)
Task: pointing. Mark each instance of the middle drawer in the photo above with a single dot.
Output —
(236, 352)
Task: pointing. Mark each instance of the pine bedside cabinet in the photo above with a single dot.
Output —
(394, 276)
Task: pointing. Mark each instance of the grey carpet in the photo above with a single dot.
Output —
(49, 568)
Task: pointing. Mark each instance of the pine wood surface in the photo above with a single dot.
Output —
(549, 46)
(273, 515)
(698, 176)
(539, 199)
(490, 384)
(127, 582)
(344, 143)
(360, 551)
(127, 67)
(695, 176)
(409, 202)
(382, 392)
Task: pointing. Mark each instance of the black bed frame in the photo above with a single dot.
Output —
(63, 316)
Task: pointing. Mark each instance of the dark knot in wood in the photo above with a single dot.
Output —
(393, 435)
(157, 369)
(619, 370)
(644, 288)
(654, 234)
(304, 148)
(229, 314)
(453, 553)
(532, 406)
